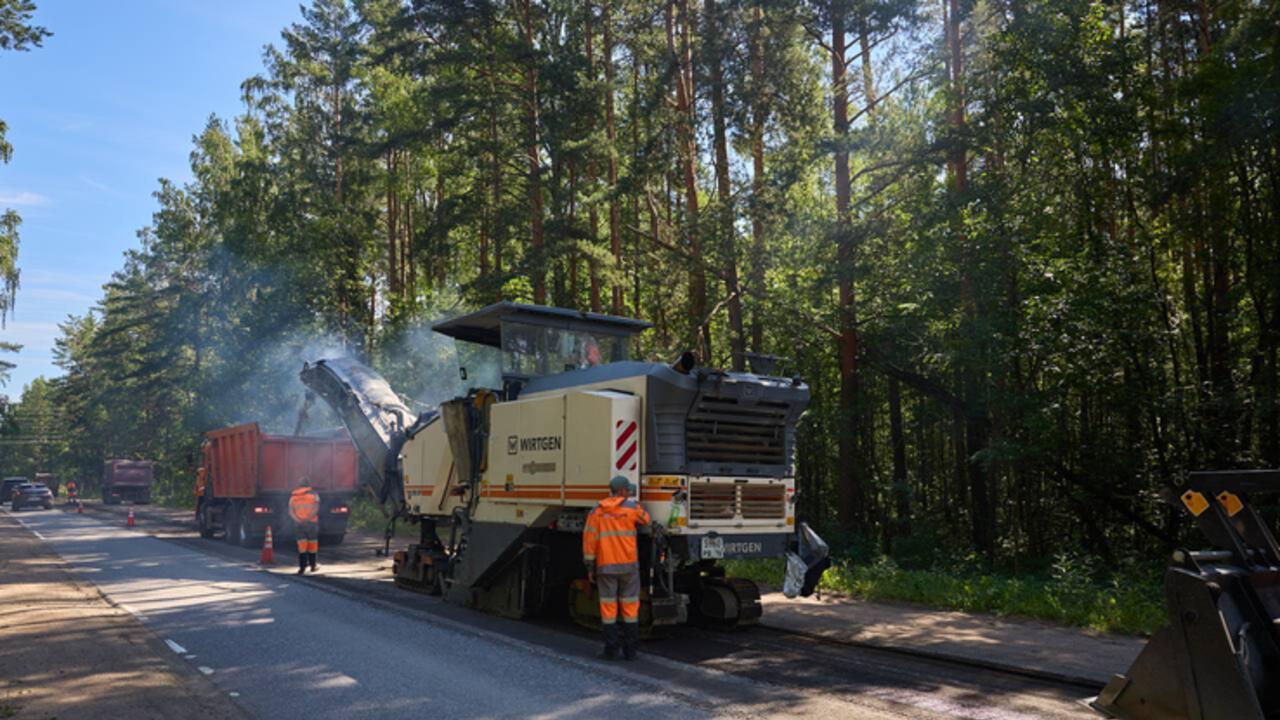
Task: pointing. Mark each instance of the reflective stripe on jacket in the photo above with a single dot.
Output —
(609, 538)
(304, 505)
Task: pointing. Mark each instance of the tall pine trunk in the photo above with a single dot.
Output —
(593, 217)
(976, 425)
(534, 159)
(728, 245)
(852, 495)
(681, 52)
(759, 116)
(611, 132)
(393, 251)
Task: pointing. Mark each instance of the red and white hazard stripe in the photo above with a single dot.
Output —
(626, 445)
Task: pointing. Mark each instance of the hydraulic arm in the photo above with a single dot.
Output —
(1219, 657)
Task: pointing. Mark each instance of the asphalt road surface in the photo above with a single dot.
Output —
(347, 644)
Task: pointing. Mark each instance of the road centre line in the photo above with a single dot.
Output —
(175, 647)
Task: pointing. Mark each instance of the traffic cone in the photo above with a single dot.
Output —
(130, 522)
(268, 552)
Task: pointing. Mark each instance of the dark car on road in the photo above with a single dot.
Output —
(32, 494)
(6, 489)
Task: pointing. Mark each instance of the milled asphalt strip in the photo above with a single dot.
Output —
(949, 658)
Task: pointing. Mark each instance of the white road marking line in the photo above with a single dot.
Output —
(189, 657)
(175, 647)
(205, 670)
(234, 694)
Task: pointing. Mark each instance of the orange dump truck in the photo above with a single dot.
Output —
(245, 478)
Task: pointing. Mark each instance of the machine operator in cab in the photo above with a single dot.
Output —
(304, 508)
(613, 565)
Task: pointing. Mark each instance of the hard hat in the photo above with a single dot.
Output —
(619, 483)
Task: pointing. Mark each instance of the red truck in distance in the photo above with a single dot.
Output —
(246, 476)
(129, 480)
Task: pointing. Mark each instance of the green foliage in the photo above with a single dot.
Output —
(16, 31)
(18, 34)
(367, 516)
(9, 273)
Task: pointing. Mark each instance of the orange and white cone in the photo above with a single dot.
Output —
(130, 522)
(268, 551)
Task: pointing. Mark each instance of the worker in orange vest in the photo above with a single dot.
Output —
(72, 491)
(613, 564)
(304, 508)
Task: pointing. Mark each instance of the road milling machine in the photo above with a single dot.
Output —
(500, 481)
(1219, 656)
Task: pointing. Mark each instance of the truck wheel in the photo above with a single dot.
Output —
(230, 520)
(335, 539)
(202, 521)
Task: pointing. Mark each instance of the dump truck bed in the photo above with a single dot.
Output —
(247, 462)
(129, 473)
(127, 480)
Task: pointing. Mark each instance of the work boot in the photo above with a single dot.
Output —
(610, 651)
(630, 640)
(302, 563)
(312, 558)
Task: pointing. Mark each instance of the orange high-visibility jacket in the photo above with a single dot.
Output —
(609, 539)
(304, 505)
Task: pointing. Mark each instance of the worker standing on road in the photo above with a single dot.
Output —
(304, 508)
(72, 491)
(613, 563)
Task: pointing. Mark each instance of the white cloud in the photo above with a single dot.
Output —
(54, 295)
(101, 187)
(33, 336)
(89, 282)
(22, 198)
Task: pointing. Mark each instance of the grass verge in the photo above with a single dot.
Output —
(1067, 596)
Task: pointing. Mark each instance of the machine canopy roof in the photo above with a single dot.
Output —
(484, 326)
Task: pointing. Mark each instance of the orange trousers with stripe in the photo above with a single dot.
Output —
(619, 592)
(308, 536)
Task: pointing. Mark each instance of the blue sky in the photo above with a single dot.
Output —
(107, 107)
